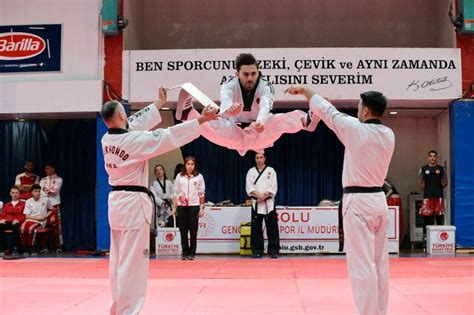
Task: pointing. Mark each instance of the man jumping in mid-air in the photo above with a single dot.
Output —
(246, 122)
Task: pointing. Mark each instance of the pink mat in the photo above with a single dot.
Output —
(234, 285)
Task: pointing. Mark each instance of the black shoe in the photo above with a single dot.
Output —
(184, 257)
(191, 257)
(256, 256)
(274, 255)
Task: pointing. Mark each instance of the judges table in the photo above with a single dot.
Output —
(302, 229)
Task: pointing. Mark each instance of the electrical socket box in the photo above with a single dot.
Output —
(466, 8)
(110, 17)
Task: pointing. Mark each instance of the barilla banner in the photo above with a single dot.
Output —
(30, 48)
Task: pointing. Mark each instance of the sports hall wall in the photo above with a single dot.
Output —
(235, 26)
(50, 116)
(77, 87)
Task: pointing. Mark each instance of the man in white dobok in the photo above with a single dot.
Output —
(369, 147)
(262, 186)
(127, 146)
(246, 122)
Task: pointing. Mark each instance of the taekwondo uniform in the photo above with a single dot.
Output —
(261, 182)
(126, 154)
(235, 132)
(163, 194)
(189, 193)
(25, 179)
(51, 189)
(368, 150)
(28, 229)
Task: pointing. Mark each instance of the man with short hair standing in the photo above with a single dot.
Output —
(25, 180)
(262, 186)
(51, 188)
(127, 147)
(369, 148)
(432, 180)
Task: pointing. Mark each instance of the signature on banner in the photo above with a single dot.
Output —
(436, 84)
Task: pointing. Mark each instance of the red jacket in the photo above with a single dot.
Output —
(11, 212)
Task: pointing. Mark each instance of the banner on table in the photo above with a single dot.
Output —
(302, 229)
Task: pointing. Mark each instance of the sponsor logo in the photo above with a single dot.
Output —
(443, 236)
(18, 45)
(168, 237)
(438, 172)
(206, 225)
(427, 172)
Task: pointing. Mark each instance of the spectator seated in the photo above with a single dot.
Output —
(45, 236)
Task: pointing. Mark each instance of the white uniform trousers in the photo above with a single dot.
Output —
(366, 245)
(228, 134)
(128, 269)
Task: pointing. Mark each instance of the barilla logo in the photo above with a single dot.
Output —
(17, 45)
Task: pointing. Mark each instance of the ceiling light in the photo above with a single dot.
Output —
(393, 113)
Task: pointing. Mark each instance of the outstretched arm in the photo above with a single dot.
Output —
(148, 117)
(266, 105)
(343, 125)
(160, 141)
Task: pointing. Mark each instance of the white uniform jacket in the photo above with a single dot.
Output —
(125, 155)
(266, 181)
(37, 208)
(51, 188)
(189, 191)
(161, 192)
(362, 166)
(262, 104)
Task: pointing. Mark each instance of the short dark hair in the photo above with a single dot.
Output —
(108, 109)
(35, 186)
(375, 101)
(245, 60)
(15, 187)
(52, 164)
(433, 151)
(28, 161)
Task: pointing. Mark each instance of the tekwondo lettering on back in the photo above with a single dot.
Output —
(109, 149)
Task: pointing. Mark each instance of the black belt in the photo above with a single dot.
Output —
(131, 188)
(243, 125)
(143, 190)
(361, 190)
